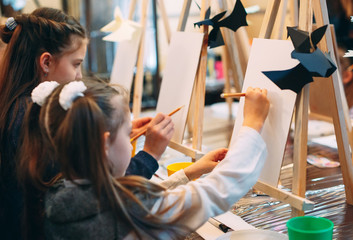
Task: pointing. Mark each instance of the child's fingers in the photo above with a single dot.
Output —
(161, 120)
(219, 154)
(166, 122)
(222, 153)
(168, 129)
(158, 118)
(142, 121)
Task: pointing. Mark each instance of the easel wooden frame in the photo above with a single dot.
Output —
(231, 55)
(138, 86)
(197, 102)
(296, 198)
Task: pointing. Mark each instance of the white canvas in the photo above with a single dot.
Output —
(178, 78)
(270, 55)
(125, 62)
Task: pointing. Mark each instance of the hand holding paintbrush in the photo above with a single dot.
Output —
(158, 132)
(145, 129)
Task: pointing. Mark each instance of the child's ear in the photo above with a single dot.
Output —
(44, 62)
(106, 137)
(347, 77)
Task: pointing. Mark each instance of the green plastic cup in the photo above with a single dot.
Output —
(309, 228)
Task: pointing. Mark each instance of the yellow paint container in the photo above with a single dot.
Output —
(174, 167)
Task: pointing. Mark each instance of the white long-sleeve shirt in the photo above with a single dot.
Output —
(214, 194)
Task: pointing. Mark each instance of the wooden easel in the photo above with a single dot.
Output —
(198, 96)
(138, 87)
(196, 110)
(296, 198)
(234, 62)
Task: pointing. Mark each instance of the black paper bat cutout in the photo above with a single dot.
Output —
(302, 40)
(293, 79)
(317, 63)
(236, 19)
(313, 62)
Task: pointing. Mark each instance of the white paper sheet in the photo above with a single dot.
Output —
(270, 55)
(125, 62)
(209, 232)
(233, 221)
(178, 78)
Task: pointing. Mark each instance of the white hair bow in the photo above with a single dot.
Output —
(70, 92)
(42, 91)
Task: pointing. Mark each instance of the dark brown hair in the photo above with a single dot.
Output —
(44, 30)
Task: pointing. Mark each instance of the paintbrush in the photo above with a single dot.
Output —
(144, 131)
(227, 95)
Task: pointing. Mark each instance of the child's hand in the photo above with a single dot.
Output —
(205, 164)
(139, 125)
(159, 132)
(255, 108)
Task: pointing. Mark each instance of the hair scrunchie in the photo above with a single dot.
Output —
(70, 92)
(11, 24)
(42, 91)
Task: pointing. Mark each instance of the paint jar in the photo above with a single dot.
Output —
(174, 167)
(309, 228)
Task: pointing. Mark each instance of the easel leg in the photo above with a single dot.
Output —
(269, 18)
(200, 85)
(301, 118)
(137, 99)
(227, 85)
(165, 19)
(184, 15)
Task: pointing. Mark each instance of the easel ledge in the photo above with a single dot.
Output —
(194, 154)
(295, 201)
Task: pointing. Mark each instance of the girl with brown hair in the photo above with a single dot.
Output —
(85, 126)
(48, 45)
(40, 46)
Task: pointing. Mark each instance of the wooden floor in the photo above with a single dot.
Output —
(324, 186)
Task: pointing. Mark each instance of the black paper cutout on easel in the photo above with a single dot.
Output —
(313, 62)
(293, 79)
(236, 19)
(317, 63)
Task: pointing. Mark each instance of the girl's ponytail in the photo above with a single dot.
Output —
(80, 142)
